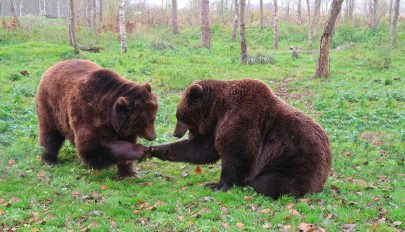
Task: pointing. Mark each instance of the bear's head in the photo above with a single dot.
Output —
(134, 113)
(193, 112)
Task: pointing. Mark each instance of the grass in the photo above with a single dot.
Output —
(361, 106)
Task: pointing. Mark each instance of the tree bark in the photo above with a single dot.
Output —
(299, 16)
(93, 15)
(323, 60)
(123, 33)
(275, 24)
(374, 17)
(100, 11)
(205, 24)
(235, 20)
(315, 15)
(390, 11)
(58, 8)
(39, 8)
(394, 23)
(44, 10)
(310, 31)
(243, 48)
(12, 8)
(21, 8)
(73, 28)
(175, 27)
(261, 15)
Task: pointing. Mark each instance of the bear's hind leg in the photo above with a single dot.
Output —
(52, 142)
(271, 184)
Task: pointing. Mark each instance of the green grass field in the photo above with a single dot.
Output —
(361, 106)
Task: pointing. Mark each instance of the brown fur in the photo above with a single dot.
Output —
(262, 141)
(98, 111)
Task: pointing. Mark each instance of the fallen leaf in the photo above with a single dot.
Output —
(397, 223)
(104, 187)
(224, 211)
(1, 212)
(198, 170)
(247, 198)
(267, 210)
(349, 227)
(41, 175)
(1, 201)
(189, 223)
(180, 217)
(206, 198)
(266, 225)
(95, 213)
(225, 225)
(356, 181)
(114, 224)
(346, 153)
(184, 174)
(11, 162)
(75, 194)
(304, 227)
(240, 225)
(137, 212)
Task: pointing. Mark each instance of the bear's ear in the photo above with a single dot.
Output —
(121, 105)
(148, 87)
(195, 92)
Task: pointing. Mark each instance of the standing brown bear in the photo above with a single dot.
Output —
(98, 111)
(262, 141)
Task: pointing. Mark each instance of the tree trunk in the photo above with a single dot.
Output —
(21, 8)
(287, 11)
(261, 15)
(323, 60)
(58, 8)
(374, 17)
(351, 10)
(310, 31)
(12, 8)
(123, 33)
(39, 8)
(235, 20)
(205, 24)
(299, 12)
(93, 15)
(275, 24)
(394, 23)
(44, 9)
(390, 11)
(243, 49)
(100, 11)
(73, 28)
(315, 15)
(175, 27)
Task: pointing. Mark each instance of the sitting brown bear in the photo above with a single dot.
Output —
(262, 141)
(98, 111)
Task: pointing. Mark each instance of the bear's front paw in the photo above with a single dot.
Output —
(49, 160)
(218, 186)
(155, 151)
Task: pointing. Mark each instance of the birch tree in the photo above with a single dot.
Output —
(310, 29)
(299, 12)
(261, 15)
(275, 24)
(72, 27)
(394, 22)
(175, 27)
(123, 34)
(315, 15)
(235, 20)
(205, 24)
(323, 60)
(243, 48)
